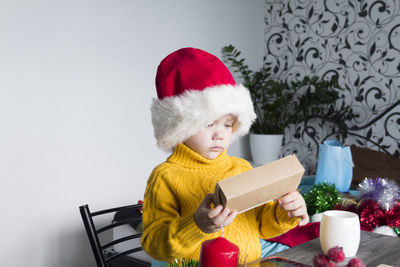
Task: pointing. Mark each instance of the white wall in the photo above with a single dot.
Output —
(76, 82)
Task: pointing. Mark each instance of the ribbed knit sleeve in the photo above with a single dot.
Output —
(273, 220)
(167, 235)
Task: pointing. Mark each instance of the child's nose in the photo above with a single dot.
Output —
(218, 135)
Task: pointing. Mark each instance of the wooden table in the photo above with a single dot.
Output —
(374, 249)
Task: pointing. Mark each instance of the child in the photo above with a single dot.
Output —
(199, 111)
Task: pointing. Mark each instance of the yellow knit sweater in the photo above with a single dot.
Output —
(175, 190)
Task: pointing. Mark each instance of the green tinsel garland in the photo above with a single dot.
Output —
(397, 230)
(184, 263)
(321, 197)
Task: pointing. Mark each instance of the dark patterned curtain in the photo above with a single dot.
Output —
(356, 41)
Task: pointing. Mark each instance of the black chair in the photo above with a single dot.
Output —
(104, 254)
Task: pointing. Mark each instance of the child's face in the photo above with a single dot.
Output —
(210, 141)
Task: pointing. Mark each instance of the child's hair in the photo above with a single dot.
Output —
(195, 88)
(236, 124)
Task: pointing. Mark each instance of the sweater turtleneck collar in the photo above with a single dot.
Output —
(186, 157)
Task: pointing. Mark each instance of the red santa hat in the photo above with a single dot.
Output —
(194, 89)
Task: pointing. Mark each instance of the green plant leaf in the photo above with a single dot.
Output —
(280, 103)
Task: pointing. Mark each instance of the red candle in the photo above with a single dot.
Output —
(218, 252)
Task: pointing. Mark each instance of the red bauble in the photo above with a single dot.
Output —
(320, 260)
(336, 254)
(219, 252)
(356, 262)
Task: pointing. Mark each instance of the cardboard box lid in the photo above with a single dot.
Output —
(255, 187)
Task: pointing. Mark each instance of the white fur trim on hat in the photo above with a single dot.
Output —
(177, 118)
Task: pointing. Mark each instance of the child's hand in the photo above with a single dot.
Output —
(294, 203)
(210, 220)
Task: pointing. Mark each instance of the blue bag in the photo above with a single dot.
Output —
(335, 165)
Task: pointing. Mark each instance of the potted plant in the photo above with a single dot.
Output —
(280, 103)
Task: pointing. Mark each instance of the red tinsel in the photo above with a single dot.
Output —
(141, 208)
(351, 207)
(392, 216)
(370, 215)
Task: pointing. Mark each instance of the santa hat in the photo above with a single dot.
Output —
(194, 89)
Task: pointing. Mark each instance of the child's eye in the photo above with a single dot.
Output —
(228, 125)
(210, 125)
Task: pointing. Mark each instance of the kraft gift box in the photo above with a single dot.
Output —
(259, 185)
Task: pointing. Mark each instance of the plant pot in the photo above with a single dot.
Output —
(265, 148)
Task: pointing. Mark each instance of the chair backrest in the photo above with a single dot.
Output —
(104, 253)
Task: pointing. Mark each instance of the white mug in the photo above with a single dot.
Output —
(340, 228)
